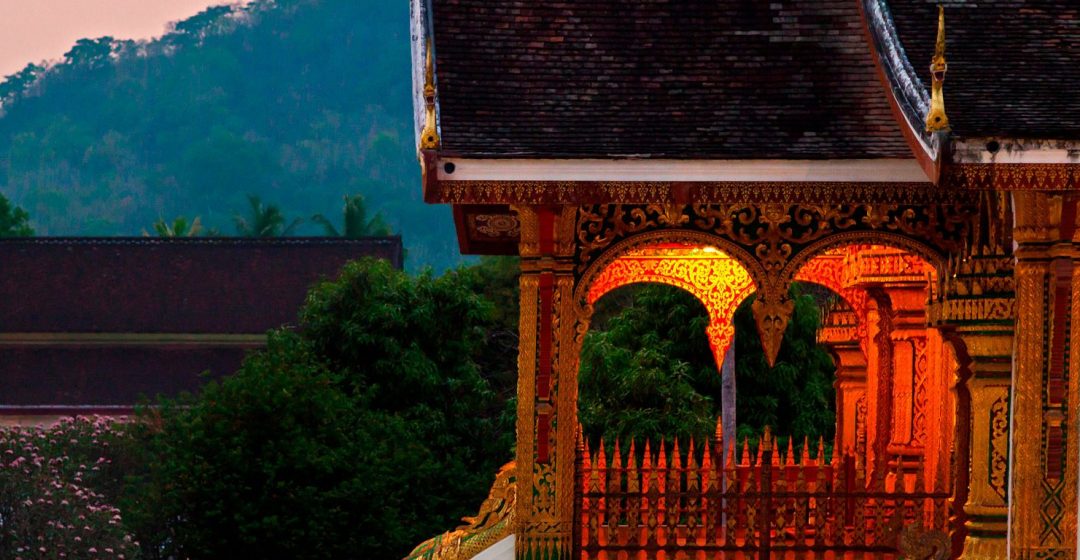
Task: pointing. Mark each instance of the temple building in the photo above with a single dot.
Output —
(921, 162)
(133, 318)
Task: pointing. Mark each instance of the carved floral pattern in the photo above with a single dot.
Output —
(718, 281)
(998, 462)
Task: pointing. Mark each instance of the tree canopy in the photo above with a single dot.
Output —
(14, 221)
(369, 429)
(647, 371)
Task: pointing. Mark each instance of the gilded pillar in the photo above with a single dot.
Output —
(1046, 366)
(879, 382)
(910, 369)
(843, 333)
(983, 348)
(547, 385)
(975, 314)
(850, 393)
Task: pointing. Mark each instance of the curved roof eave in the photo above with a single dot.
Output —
(908, 96)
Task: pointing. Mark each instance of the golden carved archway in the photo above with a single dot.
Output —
(717, 280)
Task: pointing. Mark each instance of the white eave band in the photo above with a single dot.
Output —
(657, 170)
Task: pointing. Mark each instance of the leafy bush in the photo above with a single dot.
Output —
(365, 432)
(57, 486)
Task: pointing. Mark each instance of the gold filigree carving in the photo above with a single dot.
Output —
(971, 310)
(530, 231)
(999, 446)
(576, 193)
(772, 319)
(492, 523)
(1012, 177)
(777, 234)
(720, 282)
(920, 397)
(497, 225)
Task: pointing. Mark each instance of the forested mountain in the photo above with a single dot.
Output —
(298, 102)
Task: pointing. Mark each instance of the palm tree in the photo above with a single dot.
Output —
(264, 220)
(178, 228)
(356, 223)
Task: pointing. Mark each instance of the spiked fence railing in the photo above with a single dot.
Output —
(660, 501)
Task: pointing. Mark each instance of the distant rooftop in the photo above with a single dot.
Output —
(92, 324)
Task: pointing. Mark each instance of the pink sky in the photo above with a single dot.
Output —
(36, 30)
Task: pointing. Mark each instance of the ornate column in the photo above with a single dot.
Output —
(981, 334)
(974, 310)
(547, 385)
(897, 356)
(879, 389)
(840, 335)
(1046, 378)
(910, 371)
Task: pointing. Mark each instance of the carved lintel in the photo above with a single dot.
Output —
(772, 316)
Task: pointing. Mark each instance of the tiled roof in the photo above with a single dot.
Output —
(659, 78)
(151, 285)
(1014, 65)
(49, 376)
(92, 322)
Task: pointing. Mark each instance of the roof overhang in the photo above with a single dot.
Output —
(908, 97)
(641, 170)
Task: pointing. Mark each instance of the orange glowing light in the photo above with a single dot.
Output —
(717, 280)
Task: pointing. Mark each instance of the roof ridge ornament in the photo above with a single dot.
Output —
(429, 137)
(936, 120)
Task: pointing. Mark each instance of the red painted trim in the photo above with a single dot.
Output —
(1055, 384)
(543, 376)
(543, 437)
(430, 179)
(546, 218)
(1055, 453)
(1068, 219)
(462, 230)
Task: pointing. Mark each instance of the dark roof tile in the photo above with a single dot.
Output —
(659, 78)
(1014, 65)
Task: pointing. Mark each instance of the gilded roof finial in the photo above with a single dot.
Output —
(429, 137)
(936, 120)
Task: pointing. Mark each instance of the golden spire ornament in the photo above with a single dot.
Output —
(936, 120)
(429, 137)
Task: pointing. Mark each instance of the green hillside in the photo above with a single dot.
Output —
(299, 102)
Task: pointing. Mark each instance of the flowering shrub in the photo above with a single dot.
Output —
(56, 485)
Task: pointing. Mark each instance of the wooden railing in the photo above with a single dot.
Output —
(671, 502)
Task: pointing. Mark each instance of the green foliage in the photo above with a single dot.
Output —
(647, 371)
(356, 223)
(365, 432)
(646, 368)
(14, 221)
(263, 220)
(295, 101)
(796, 396)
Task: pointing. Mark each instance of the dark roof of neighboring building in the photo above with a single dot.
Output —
(654, 78)
(54, 377)
(1014, 65)
(153, 285)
